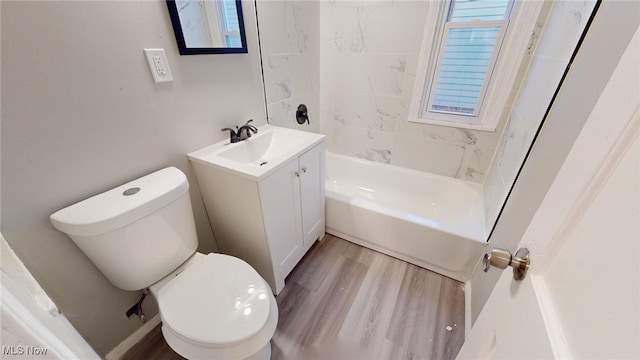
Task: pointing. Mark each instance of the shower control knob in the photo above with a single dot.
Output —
(501, 258)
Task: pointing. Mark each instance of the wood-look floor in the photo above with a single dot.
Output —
(344, 301)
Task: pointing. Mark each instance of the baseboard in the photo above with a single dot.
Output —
(467, 309)
(133, 339)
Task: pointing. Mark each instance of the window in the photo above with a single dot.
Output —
(458, 81)
(229, 22)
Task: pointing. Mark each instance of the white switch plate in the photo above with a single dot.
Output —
(158, 65)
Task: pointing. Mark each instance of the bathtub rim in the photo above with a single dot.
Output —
(413, 172)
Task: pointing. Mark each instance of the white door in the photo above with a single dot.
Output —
(581, 297)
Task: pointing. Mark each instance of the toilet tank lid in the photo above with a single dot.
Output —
(123, 205)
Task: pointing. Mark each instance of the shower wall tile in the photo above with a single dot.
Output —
(302, 27)
(367, 111)
(361, 143)
(448, 134)
(559, 36)
(287, 76)
(409, 79)
(277, 77)
(537, 92)
(354, 64)
(368, 63)
(494, 189)
(514, 148)
(290, 48)
(326, 126)
(357, 61)
(375, 27)
(380, 74)
(567, 22)
(283, 113)
(430, 155)
(274, 36)
(476, 162)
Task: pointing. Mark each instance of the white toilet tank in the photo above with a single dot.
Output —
(137, 233)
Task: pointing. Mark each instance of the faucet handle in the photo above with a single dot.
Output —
(251, 127)
(248, 129)
(233, 136)
(232, 131)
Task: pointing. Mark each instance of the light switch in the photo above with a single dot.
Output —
(158, 65)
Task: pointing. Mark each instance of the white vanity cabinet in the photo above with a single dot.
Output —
(270, 221)
(292, 201)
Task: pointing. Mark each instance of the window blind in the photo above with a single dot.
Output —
(463, 70)
(469, 46)
(485, 10)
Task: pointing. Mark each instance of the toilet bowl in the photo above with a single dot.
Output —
(142, 234)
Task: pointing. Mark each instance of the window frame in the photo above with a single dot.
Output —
(517, 35)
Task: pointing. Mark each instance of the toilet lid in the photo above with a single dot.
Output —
(217, 300)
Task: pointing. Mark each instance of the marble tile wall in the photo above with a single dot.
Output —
(368, 60)
(290, 48)
(562, 30)
(354, 64)
(195, 29)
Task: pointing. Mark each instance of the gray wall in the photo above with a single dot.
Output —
(81, 114)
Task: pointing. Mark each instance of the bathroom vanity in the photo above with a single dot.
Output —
(265, 197)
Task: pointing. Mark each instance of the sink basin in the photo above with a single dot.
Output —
(264, 146)
(259, 155)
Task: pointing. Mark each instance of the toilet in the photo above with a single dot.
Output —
(142, 235)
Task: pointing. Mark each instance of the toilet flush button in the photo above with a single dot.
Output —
(131, 191)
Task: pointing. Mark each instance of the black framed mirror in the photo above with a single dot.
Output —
(208, 26)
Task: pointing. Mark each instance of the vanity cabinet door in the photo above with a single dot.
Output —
(292, 202)
(280, 201)
(311, 173)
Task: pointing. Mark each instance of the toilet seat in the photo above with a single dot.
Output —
(218, 302)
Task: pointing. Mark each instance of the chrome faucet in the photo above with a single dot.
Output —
(244, 132)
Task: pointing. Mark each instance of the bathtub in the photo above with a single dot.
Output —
(432, 221)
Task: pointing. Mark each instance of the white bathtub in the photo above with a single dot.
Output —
(429, 220)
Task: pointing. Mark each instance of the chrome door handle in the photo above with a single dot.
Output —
(501, 258)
